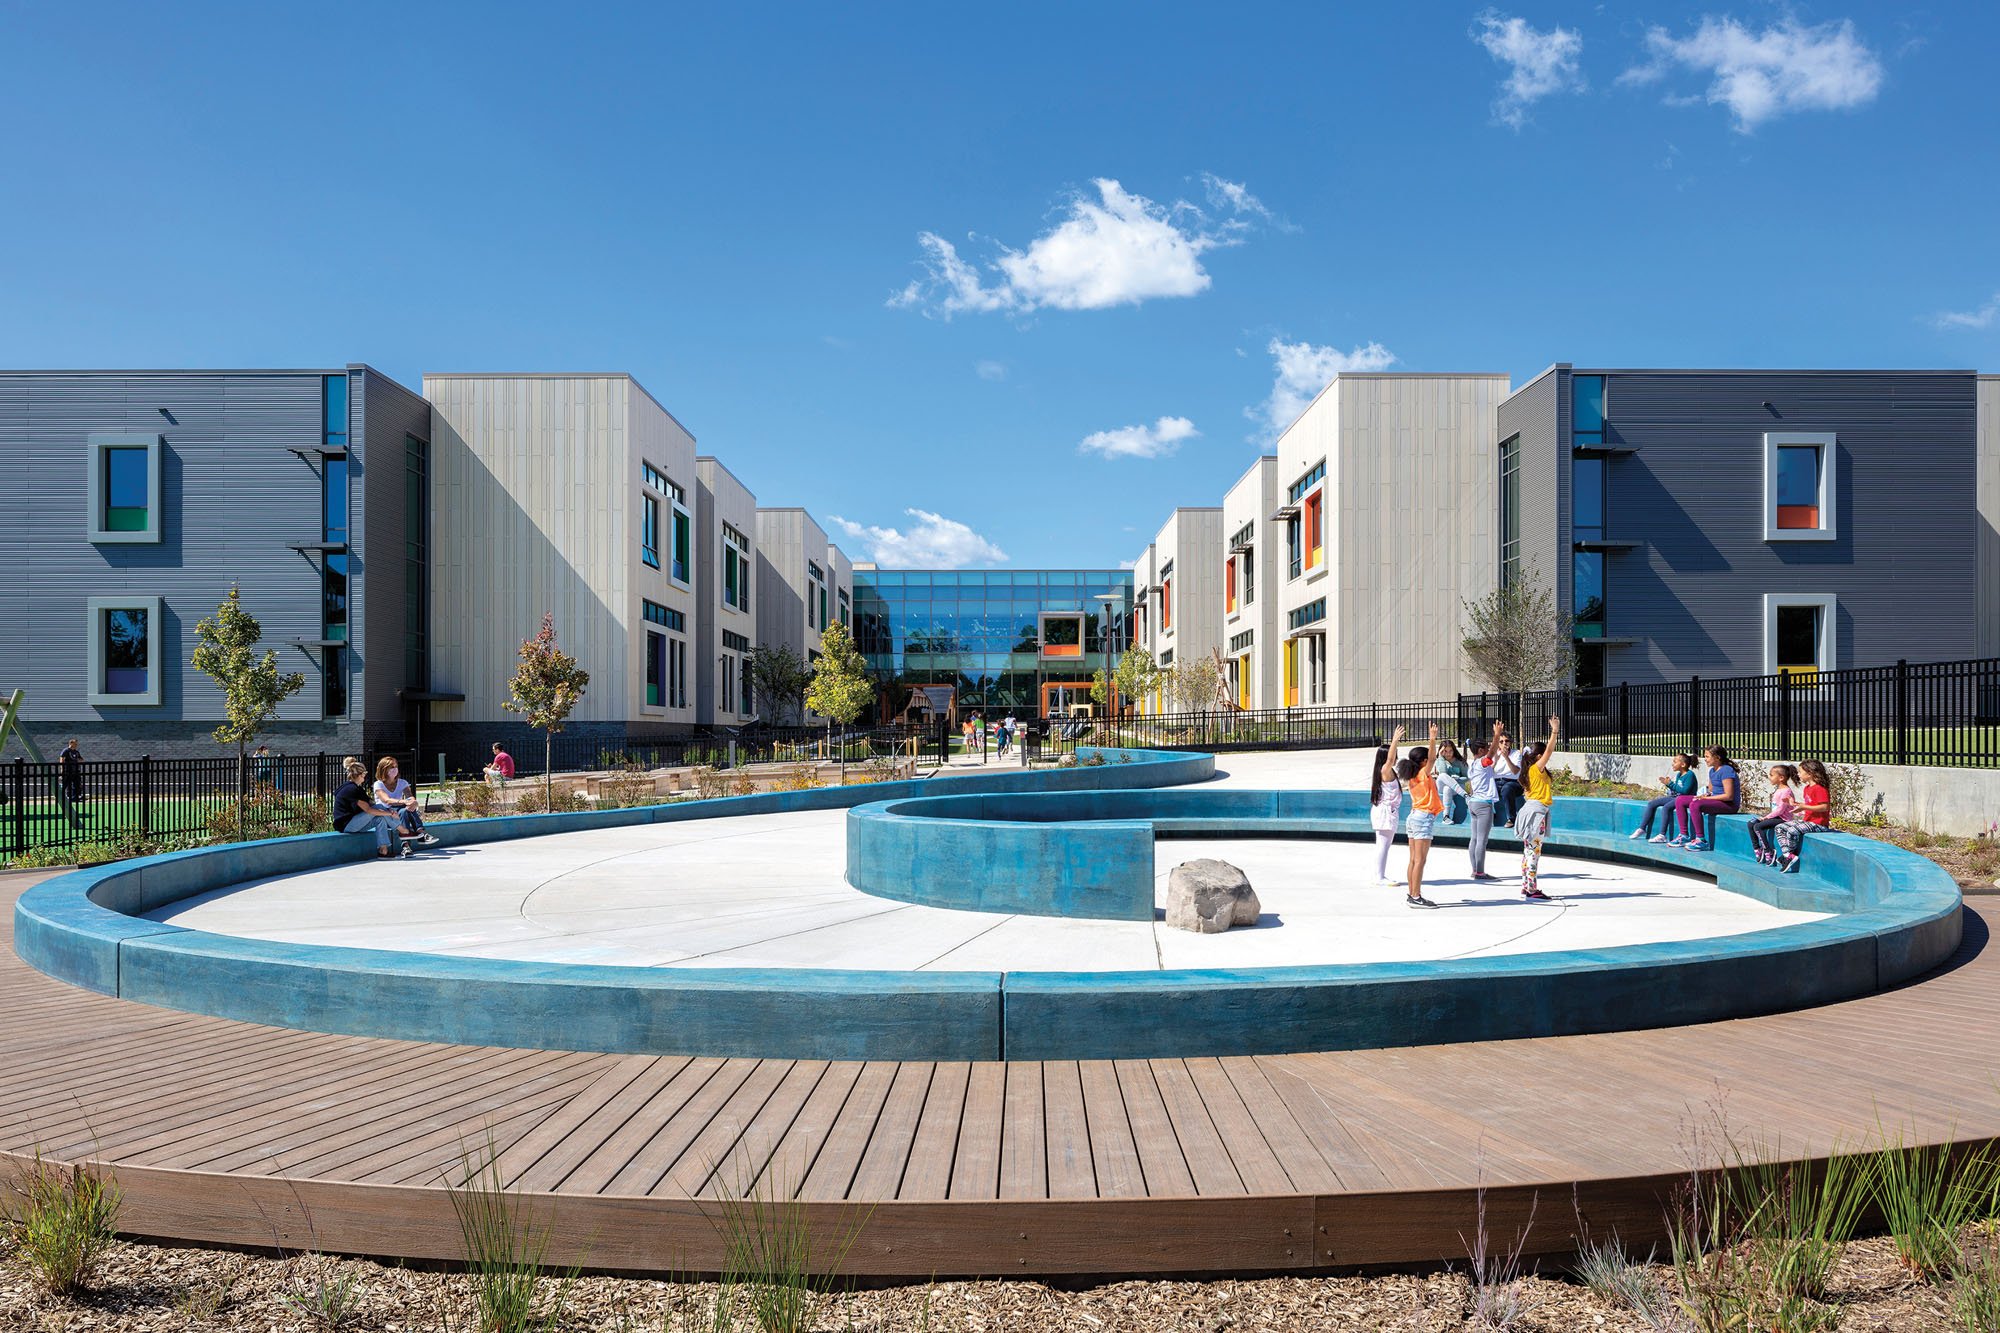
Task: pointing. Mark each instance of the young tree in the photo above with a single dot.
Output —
(1193, 684)
(1135, 676)
(252, 686)
(546, 687)
(780, 677)
(1519, 638)
(840, 687)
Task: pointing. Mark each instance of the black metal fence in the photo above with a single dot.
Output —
(117, 804)
(1939, 714)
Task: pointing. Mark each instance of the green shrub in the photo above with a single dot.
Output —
(556, 802)
(1975, 1294)
(60, 1220)
(472, 800)
(504, 1256)
(1797, 1217)
(1927, 1196)
(269, 813)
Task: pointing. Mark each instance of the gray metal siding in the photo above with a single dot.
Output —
(1692, 593)
(1536, 415)
(231, 498)
(384, 414)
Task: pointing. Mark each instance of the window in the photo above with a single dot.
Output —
(1244, 544)
(1587, 498)
(333, 501)
(1249, 577)
(1315, 686)
(333, 598)
(416, 562)
(663, 615)
(1586, 411)
(1166, 602)
(1311, 613)
(1229, 585)
(656, 670)
(1510, 511)
(677, 673)
(1294, 557)
(1291, 656)
(124, 650)
(649, 531)
(1798, 486)
(1311, 479)
(683, 542)
(846, 610)
(124, 488)
(653, 477)
(728, 683)
(735, 569)
(815, 596)
(1240, 643)
(333, 411)
(333, 682)
(1590, 666)
(1061, 634)
(1798, 635)
(1587, 594)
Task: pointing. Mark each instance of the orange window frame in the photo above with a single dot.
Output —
(1167, 604)
(1313, 526)
(1229, 585)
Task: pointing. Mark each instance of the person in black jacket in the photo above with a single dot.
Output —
(71, 761)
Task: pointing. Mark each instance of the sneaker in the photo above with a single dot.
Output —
(427, 840)
(1419, 901)
(1638, 833)
(1660, 838)
(1678, 840)
(1536, 896)
(1482, 875)
(408, 851)
(1696, 845)
(1388, 883)
(1790, 866)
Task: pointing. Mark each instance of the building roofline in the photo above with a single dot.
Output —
(726, 470)
(1260, 461)
(1387, 375)
(207, 370)
(990, 569)
(627, 376)
(1768, 370)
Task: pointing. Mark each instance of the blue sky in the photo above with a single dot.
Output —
(734, 206)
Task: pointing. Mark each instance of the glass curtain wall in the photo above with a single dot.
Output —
(979, 632)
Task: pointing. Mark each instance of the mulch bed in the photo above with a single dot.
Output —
(155, 1289)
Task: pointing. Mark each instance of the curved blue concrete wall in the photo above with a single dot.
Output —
(1896, 915)
(85, 928)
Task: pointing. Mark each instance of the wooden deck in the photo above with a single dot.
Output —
(225, 1132)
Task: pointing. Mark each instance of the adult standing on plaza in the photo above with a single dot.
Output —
(1506, 772)
(71, 762)
(1481, 798)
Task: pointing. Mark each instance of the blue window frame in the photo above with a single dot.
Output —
(334, 418)
(127, 480)
(649, 531)
(127, 664)
(1586, 410)
(1587, 594)
(1587, 498)
(333, 501)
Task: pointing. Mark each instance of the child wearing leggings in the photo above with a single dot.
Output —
(1783, 802)
(1692, 813)
(1385, 801)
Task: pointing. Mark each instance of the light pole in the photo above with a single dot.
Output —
(1108, 636)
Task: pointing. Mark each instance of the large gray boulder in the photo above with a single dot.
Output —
(1209, 896)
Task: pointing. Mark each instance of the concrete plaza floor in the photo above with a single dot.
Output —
(768, 891)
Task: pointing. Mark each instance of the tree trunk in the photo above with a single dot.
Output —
(548, 770)
(242, 788)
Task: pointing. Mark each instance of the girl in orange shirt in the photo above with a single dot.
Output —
(1418, 773)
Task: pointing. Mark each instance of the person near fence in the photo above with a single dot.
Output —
(263, 772)
(1451, 779)
(1418, 772)
(392, 792)
(1480, 801)
(1692, 813)
(501, 767)
(1814, 811)
(1682, 783)
(1531, 824)
(353, 812)
(1783, 801)
(1385, 804)
(71, 764)
(1506, 773)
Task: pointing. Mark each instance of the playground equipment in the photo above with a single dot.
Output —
(10, 729)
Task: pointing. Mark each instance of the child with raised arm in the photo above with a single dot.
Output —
(1418, 771)
(1385, 804)
(1532, 824)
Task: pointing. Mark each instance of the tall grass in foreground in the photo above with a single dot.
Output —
(1795, 1218)
(61, 1219)
(777, 1272)
(505, 1258)
(1927, 1197)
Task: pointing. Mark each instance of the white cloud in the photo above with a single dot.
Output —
(1155, 441)
(990, 370)
(932, 542)
(1539, 63)
(1118, 249)
(1757, 75)
(1302, 370)
(1982, 318)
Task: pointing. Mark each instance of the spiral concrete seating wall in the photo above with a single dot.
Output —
(1895, 915)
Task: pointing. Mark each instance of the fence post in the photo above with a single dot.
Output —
(1624, 717)
(20, 842)
(1694, 714)
(1902, 711)
(319, 777)
(145, 796)
(1784, 716)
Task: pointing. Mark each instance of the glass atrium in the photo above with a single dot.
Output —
(982, 634)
